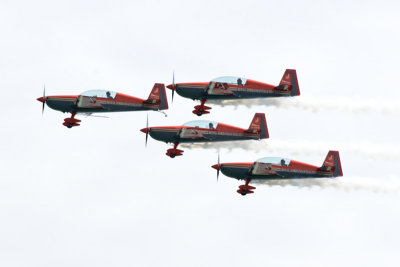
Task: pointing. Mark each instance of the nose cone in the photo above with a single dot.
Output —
(145, 130)
(41, 99)
(171, 86)
(216, 166)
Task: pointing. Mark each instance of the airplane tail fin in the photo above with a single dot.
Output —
(289, 82)
(332, 161)
(259, 125)
(158, 96)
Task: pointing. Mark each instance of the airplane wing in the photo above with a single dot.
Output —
(91, 115)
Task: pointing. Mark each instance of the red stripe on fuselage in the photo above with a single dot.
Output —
(222, 127)
(302, 166)
(257, 85)
(127, 99)
(193, 84)
(240, 164)
(62, 96)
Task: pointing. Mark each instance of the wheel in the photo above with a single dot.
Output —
(172, 155)
(199, 113)
(69, 125)
(243, 193)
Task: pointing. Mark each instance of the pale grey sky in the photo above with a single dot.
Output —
(94, 196)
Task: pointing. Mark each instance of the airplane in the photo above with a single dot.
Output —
(231, 88)
(206, 131)
(277, 168)
(100, 101)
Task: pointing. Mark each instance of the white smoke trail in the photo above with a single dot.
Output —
(370, 150)
(349, 104)
(384, 185)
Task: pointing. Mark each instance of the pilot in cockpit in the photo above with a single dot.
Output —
(211, 126)
(239, 82)
(283, 163)
(108, 94)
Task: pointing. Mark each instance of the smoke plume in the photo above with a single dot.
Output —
(370, 150)
(348, 104)
(383, 185)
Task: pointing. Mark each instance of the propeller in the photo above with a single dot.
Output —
(147, 132)
(173, 83)
(44, 97)
(219, 167)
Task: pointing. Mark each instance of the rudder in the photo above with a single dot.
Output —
(259, 125)
(289, 82)
(332, 160)
(158, 96)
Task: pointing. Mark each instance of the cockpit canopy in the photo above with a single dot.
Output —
(275, 161)
(100, 93)
(230, 80)
(202, 124)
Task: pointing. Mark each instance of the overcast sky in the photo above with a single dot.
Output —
(95, 196)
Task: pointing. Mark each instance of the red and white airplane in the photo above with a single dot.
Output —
(277, 168)
(202, 131)
(231, 88)
(100, 101)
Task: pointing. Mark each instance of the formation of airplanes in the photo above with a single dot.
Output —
(200, 131)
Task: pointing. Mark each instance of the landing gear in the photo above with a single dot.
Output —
(246, 188)
(173, 152)
(201, 109)
(71, 122)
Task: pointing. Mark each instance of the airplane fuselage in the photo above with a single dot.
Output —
(295, 169)
(99, 101)
(97, 105)
(182, 134)
(199, 91)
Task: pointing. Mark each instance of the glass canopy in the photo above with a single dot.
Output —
(100, 93)
(230, 80)
(275, 161)
(202, 124)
